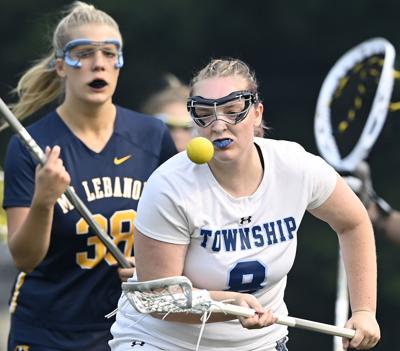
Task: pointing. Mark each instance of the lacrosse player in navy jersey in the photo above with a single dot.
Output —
(68, 281)
(231, 227)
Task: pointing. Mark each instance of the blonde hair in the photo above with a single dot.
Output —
(226, 68)
(174, 92)
(40, 84)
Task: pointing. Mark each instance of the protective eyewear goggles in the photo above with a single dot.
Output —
(77, 50)
(231, 109)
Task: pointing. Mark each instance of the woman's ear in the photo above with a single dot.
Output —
(60, 68)
(258, 110)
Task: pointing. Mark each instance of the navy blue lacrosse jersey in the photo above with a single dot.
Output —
(77, 282)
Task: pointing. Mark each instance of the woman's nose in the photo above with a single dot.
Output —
(98, 60)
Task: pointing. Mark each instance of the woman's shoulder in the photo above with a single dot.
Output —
(43, 130)
(139, 127)
(130, 117)
(280, 147)
(49, 119)
(288, 155)
(178, 165)
(179, 170)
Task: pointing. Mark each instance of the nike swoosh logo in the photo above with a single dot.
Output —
(118, 161)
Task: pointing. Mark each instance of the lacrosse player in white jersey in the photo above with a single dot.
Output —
(231, 227)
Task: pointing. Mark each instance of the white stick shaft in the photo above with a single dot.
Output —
(342, 302)
(286, 320)
(316, 326)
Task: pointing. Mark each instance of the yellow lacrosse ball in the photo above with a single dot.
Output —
(200, 150)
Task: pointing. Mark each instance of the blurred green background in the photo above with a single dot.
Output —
(291, 45)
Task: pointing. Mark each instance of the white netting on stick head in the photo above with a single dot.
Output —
(169, 295)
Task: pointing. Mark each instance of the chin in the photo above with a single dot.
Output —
(99, 100)
(225, 157)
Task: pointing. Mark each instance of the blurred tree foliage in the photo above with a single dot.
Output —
(291, 45)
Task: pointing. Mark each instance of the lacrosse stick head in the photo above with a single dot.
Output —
(353, 103)
(166, 295)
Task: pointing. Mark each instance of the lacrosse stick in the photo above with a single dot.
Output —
(40, 157)
(351, 110)
(176, 295)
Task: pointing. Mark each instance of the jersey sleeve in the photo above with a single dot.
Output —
(322, 180)
(19, 175)
(161, 212)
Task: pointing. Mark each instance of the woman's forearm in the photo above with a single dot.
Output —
(358, 250)
(29, 238)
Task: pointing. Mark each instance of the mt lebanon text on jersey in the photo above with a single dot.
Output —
(106, 187)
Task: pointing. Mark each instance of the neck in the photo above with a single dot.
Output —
(87, 117)
(242, 177)
(93, 124)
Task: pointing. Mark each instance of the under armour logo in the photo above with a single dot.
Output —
(137, 343)
(281, 344)
(244, 220)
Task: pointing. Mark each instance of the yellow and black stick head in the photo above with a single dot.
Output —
(353, 103)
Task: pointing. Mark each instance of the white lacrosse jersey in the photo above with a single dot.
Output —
(246, 244)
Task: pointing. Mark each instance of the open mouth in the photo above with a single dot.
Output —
(222, 143)
(98, 83)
